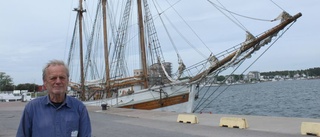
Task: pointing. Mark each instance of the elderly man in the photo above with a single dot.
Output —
(55, 114)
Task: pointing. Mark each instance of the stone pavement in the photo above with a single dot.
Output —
(272, 125)
(117, 122)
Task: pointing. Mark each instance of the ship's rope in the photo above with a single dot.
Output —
(237, 22)
(223, 8)
(200, 104)
(173, 26)
(171, 41)
(167, 31)
(72, 45)
(194, 32)
(277, 5)
(171, 6)
(186, 39)
(67, 41)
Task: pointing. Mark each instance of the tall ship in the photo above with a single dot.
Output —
(148, 54)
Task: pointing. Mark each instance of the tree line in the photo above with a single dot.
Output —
(313, 72)
(6, 84)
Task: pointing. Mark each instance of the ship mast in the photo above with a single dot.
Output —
(105, 43)
(142, 45)
(80, 11)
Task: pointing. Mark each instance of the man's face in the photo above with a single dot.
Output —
(56, 80)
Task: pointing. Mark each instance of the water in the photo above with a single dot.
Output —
(292, 98)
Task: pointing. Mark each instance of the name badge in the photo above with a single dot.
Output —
(74, 133)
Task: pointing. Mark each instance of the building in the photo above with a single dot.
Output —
(157, 75)
(253, 76)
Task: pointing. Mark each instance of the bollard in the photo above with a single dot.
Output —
(310, 128)
(104, 106)
(233, 122)
(187, 118)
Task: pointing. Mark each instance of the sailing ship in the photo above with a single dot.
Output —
(117, 40)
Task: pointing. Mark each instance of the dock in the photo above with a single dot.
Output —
(119, 122)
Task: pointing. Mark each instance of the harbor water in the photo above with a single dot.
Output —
(290, 98)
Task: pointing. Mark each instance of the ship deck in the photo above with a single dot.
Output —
(142, 123)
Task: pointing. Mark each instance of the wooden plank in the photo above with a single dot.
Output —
(149, 105)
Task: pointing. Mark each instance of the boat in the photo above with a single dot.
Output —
(15, 95)
(99, 56)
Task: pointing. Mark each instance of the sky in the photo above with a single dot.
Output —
(36, 31)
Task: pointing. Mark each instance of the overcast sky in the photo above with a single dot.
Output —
(36, 31)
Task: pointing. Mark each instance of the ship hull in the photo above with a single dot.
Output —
(178, 98)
